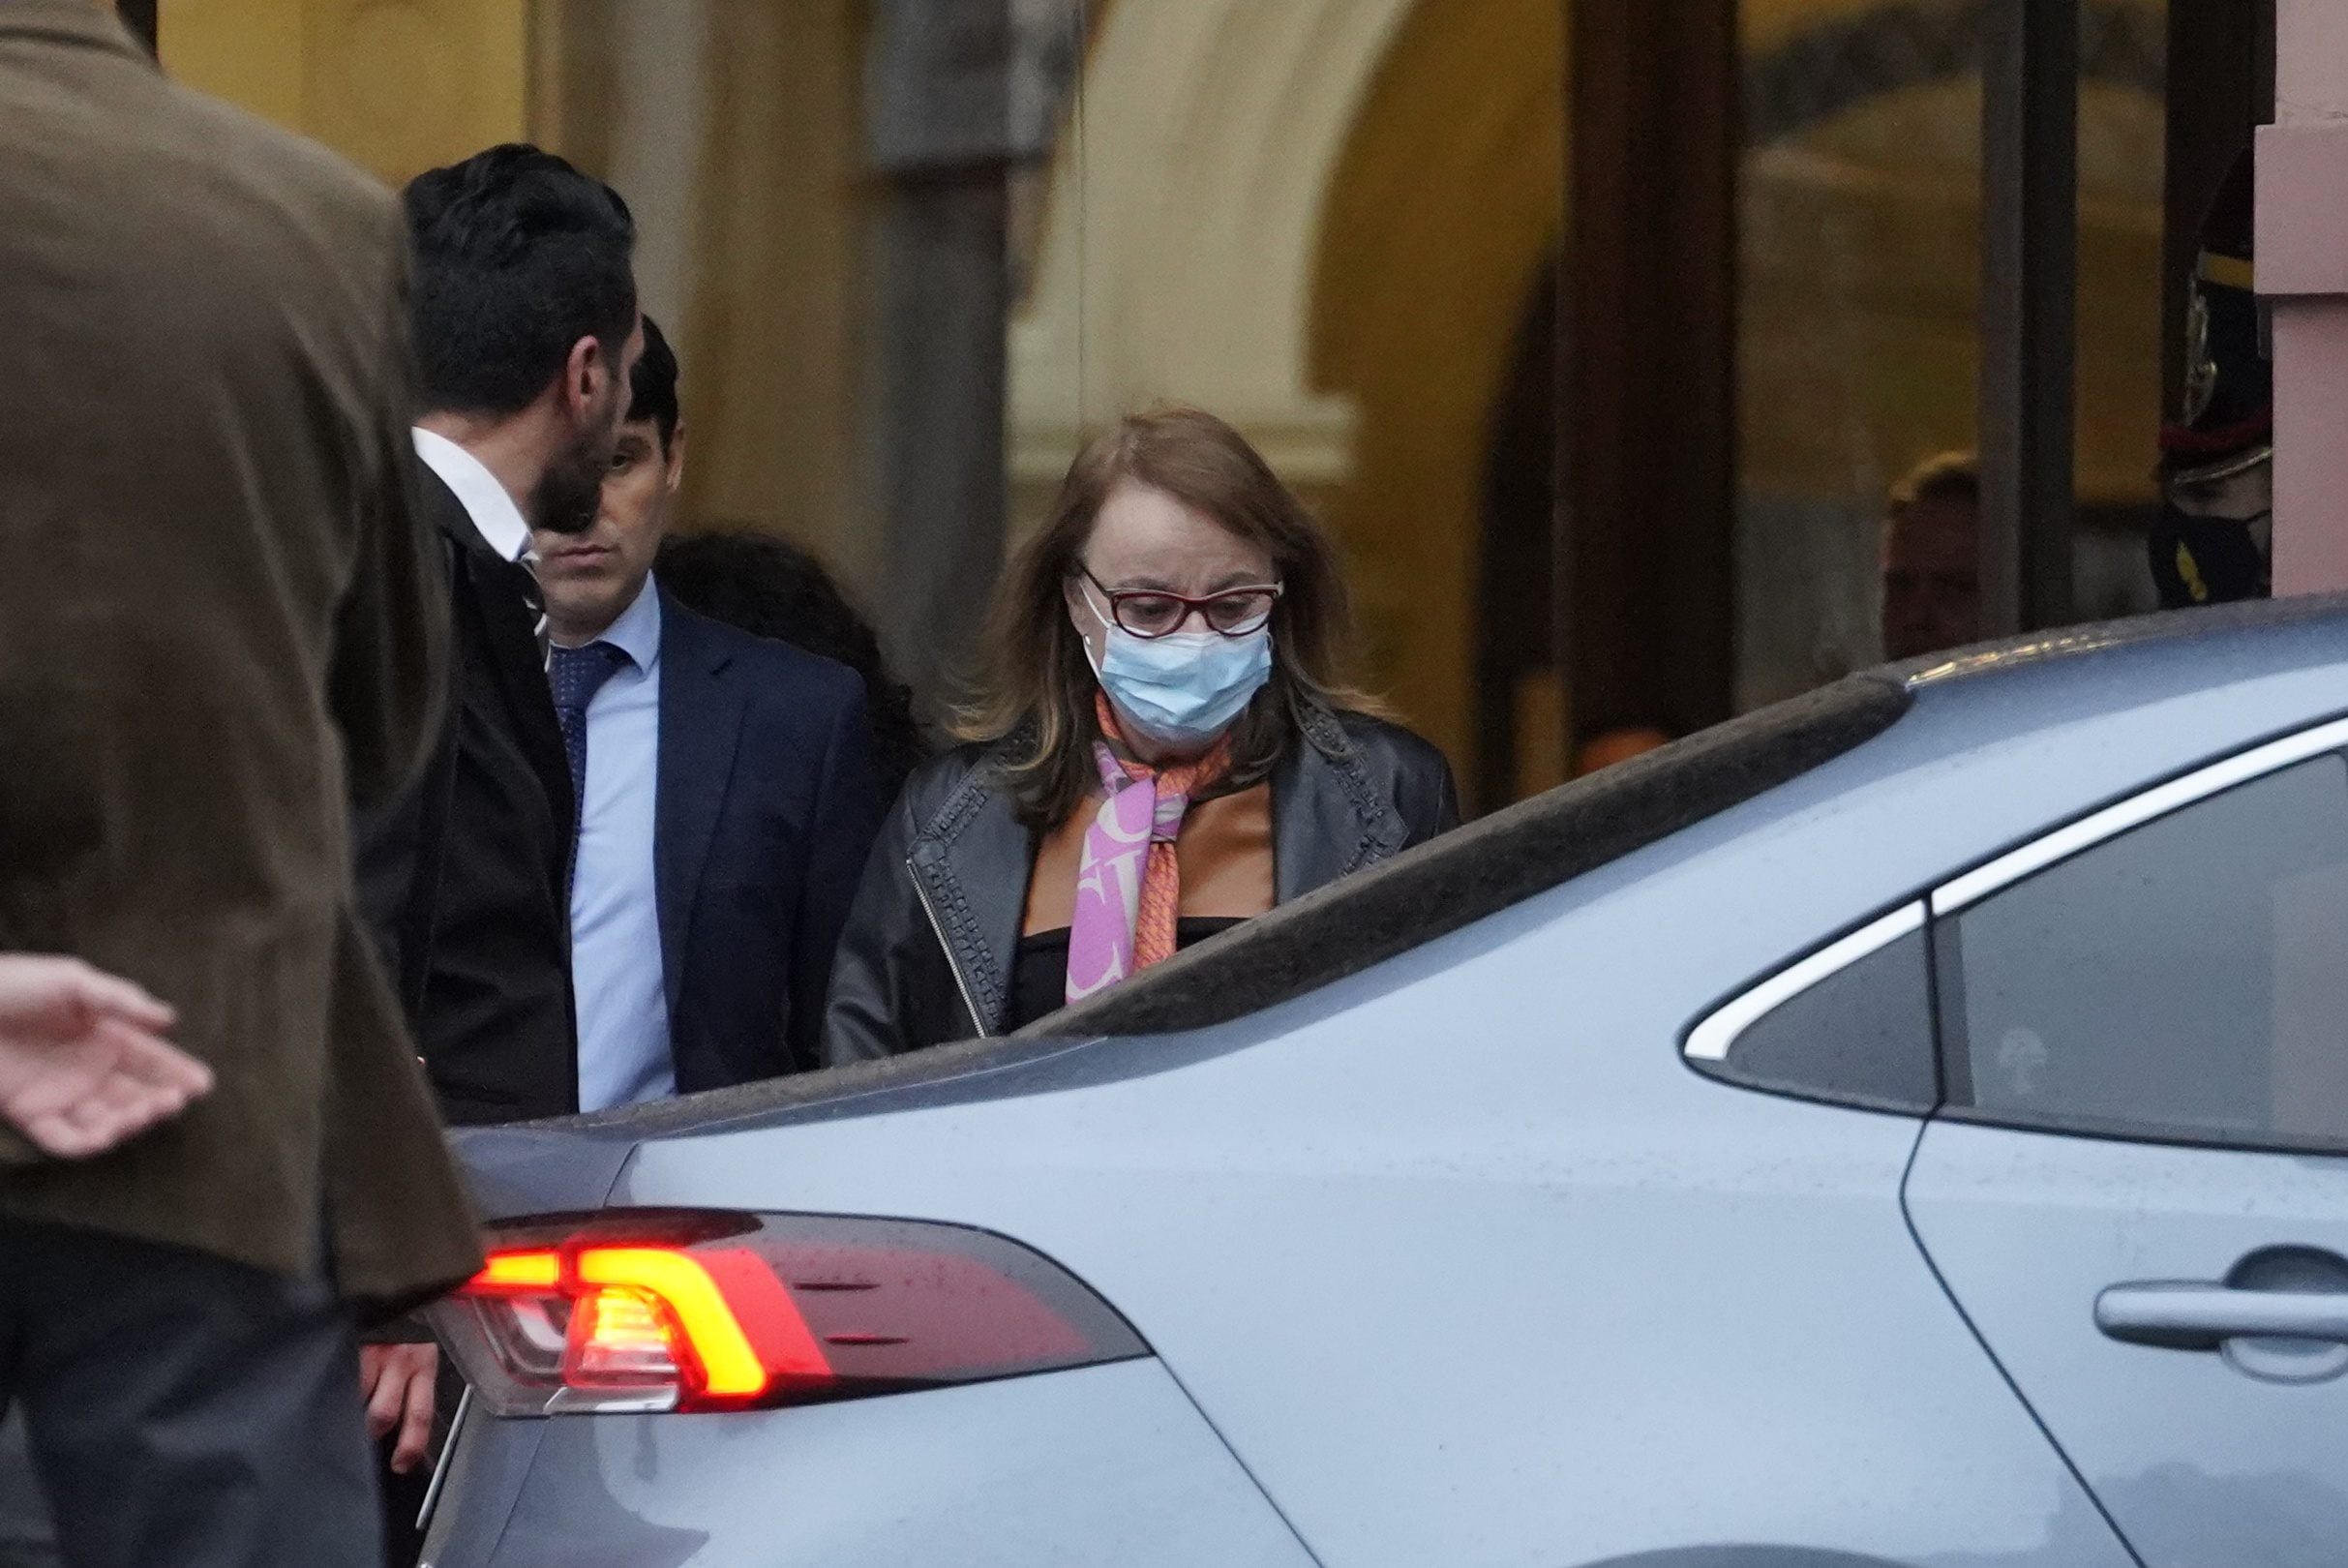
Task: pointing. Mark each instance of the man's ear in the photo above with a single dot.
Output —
(675, 459)
(585, 370)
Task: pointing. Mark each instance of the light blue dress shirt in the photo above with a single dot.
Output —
(616, 961)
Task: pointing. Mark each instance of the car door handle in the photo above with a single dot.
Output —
(2189, 1315)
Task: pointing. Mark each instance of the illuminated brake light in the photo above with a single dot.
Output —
(690, 1310)
(537, 1269)
(622, 1338)
(682, 1290)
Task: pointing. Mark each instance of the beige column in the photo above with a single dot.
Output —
(2303, 273)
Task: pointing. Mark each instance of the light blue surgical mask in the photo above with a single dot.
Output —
(1185, 688)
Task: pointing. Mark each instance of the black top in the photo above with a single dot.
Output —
(1039, 976)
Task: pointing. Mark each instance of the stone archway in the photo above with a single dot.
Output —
(1177, 255)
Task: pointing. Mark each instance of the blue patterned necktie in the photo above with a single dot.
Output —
(577, 675)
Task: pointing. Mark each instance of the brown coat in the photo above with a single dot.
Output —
(222, 622)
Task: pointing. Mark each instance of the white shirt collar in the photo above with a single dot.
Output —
(637, 631)
(485, 499)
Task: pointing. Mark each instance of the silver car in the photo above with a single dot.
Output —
(1908, 1125)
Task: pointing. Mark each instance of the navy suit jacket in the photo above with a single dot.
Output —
(766, 807)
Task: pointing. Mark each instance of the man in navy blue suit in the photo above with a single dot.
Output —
(726, 799)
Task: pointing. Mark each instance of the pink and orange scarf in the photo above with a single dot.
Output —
(1129, 883)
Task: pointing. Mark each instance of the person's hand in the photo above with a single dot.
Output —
(398, 1381)
(83, 1064)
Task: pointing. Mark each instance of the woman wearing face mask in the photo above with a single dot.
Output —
(1163, 749)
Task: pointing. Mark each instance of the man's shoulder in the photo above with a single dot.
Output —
(208, 201)
(155, 133)
(251, 150)
(779, 671)
(438, 504)
(202, 196)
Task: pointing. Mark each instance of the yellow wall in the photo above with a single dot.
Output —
(398, 86)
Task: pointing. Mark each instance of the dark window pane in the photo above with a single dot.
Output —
(1862, 1036)
(2188, 979)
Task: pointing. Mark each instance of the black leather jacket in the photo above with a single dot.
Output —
(930, 944)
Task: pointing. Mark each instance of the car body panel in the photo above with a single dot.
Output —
(547, 1168)
(1104, 1464)
(2197, 1461)
(1466, 1271)
(487, 1466)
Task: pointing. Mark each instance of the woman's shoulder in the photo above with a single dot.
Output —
(1381, 737)
(1412, 769)
(939, 777)
(935, 785)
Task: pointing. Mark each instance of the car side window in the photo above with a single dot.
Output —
(2187, 980)
(1860, 1034)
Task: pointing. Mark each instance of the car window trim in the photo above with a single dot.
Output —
(1715, 1034)
(2099, 827)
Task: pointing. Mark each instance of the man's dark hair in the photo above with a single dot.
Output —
(652, 388)
(518, 255)
(771, 588)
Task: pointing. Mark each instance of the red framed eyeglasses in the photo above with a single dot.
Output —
(1153, 613)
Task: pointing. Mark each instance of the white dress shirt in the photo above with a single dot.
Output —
(616, 961)
(485, 499)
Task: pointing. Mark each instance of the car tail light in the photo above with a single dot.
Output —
(693, 1311)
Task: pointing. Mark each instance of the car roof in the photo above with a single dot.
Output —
(2217, 644)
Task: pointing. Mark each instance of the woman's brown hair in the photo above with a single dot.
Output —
(1038, 691)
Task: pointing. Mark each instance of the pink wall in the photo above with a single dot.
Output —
(2302, 271)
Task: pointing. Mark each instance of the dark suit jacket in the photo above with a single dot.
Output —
(466, 883)
(217, 625)
(766, 808)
